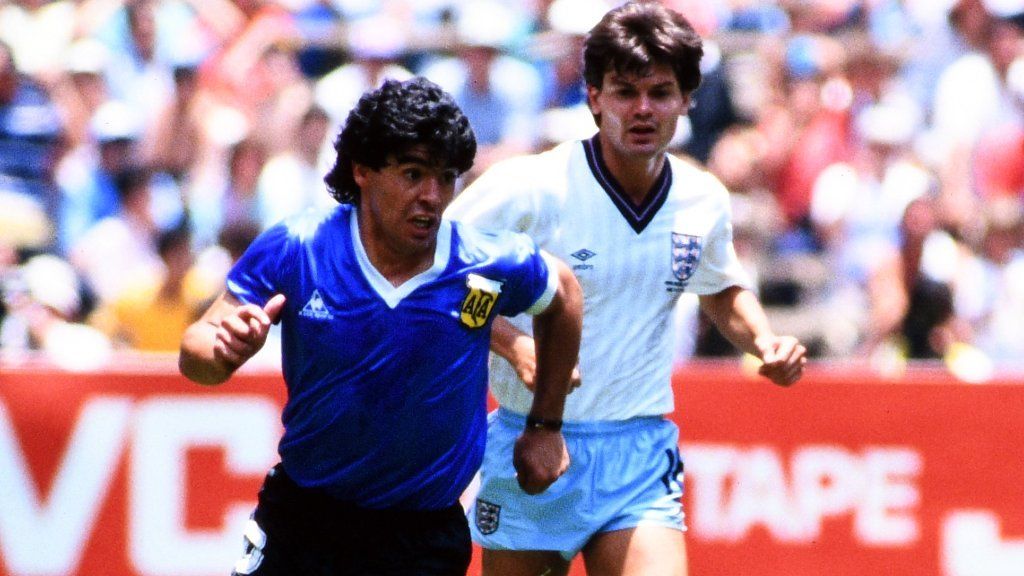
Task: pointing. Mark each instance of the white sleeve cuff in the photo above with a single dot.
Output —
(548, 295)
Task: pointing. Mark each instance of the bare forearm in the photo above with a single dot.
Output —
(557, 339)
(506, 338)
(739, 316)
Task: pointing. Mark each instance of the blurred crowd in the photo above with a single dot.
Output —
(874, 150)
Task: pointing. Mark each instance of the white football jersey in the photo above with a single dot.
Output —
(633, 263)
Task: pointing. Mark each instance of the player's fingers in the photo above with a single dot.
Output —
(774, 372)
(273, 307)
(528, 375)
(255, 327)
(790, 372)
(239, 326)
(225, 353)
(527, 484)
(534, 482)
(253, 312)
(790, 348)
(232, 343)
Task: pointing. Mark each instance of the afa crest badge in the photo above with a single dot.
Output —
(686, 250)
(479, 302)
(487, 516)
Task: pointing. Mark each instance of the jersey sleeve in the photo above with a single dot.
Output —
(260, 273)
(720, 267)
(533, 279)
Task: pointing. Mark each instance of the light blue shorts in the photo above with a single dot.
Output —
(623, 474)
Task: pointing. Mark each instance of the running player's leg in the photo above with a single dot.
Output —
(646, 550)
(644, 537)
(523, 563)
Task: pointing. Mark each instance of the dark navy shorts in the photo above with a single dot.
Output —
(301, 532)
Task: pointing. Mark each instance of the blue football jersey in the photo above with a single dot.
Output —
(387, 386)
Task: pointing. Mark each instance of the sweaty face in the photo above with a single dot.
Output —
(638, 112)
(402, 202)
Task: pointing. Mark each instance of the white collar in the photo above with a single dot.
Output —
(393, 295)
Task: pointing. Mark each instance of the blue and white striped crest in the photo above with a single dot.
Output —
(686, 251)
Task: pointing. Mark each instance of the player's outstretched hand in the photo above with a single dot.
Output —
(540, 458)
(783, 359)
(242, 333)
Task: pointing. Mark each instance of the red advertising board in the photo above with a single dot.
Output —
(136, 471)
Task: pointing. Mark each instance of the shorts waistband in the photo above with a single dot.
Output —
(583, 428)
(283, 486)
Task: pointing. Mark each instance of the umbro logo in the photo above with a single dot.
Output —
(583, 255)
(316, 308)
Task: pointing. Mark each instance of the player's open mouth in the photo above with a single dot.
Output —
(423, 222)
(423, 226)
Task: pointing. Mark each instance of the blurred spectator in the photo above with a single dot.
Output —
(139, 71)
(255, 60)
(43, 304)
(278, 97)
(996, 163)
(927, 328)
(858, 206)
(30, 138)
(81, 89)
(174, 141)
(806, 121)
(318, 24)
(891, 281)
(292, 179)
(713, 111)
(120, 250)
(230, 196)
(499, 93)
(558, 49)
(39, 33)
(87, 174)
(972, 95)
(929, 34)
(759, 17)
(152, 314)
(376, 45)
(999, 332)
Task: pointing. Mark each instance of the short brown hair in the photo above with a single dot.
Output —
(638, 35)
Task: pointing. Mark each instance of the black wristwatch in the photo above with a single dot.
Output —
(534, 423)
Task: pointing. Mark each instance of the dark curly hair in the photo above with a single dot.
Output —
(638, 35)
(392, 119)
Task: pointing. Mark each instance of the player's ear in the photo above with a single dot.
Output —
(592, 94)
(360, 173)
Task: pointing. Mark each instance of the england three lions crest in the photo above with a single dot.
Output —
(686, 251)
(488, 516)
